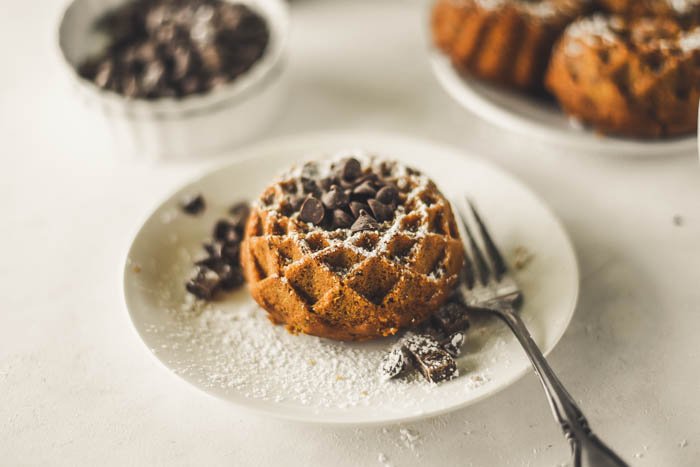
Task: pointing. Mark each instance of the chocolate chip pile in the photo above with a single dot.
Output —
(176, 48)
(432, 348)
(347, 198)
(220, 270)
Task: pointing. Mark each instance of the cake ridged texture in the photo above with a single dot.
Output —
(657, 8)
(349, 285)
(504, 41)
(629, 77)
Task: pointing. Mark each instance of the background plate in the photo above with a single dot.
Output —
(230, 350)
(541, 119)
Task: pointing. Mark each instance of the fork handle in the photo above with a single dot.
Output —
(586, 448)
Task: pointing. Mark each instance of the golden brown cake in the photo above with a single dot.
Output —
(637, 77)
(505, 41)
(668, 8)
(351, 248)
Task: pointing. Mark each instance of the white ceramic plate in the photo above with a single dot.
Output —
(230, 350)
(541, 119)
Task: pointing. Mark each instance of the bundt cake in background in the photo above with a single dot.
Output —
(504, 41)
(633, 77)
(687, 9)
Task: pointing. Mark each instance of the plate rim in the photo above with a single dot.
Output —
(459, 89)
(340, 138)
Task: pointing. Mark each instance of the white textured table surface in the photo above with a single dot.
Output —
(79, 388)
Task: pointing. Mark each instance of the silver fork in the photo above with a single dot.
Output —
(487, 285)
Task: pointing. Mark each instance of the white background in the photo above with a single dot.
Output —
(78, 387)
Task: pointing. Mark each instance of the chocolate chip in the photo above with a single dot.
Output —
(289, 186)
(394, 363)
(371, 177)
(341, 219)
(386, 168)
(356, 208)
(230, 277)
(364, 189)
(351, 169)
(381, 211)
(103, 73)
(214, 249)
(347, 185)
(364, 222)
(296, 202)
(268, 197)
(451, 317)
(181, 60)
(453, 344)
(387, 194)
(204, 284)
(231, 252)
(309, 170)
(312, 211)
(326, 183)
(193, 204)
(239, 213)
(226, 231)
(309, 185)
(334, 198)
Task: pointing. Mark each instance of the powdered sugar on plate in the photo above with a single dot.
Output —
(233, 346)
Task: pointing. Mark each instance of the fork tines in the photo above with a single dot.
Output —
(488, 261)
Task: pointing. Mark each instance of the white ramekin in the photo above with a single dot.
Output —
(193, 126)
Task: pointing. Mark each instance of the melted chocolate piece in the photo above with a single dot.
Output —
(434, 363)
(451, 317)
(453, 344)
(435, 345)
(394, 363)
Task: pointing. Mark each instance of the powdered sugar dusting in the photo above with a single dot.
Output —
(237, 348)
(690, 41)
(594, 28)
(232, 348)
(543, 9)
(683, 6)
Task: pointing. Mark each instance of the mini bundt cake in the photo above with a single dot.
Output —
(657, 8)
(505, 41)
(629, 77)
(351, 248)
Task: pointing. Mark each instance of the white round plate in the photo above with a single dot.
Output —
(229, 348)
(541, 119)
